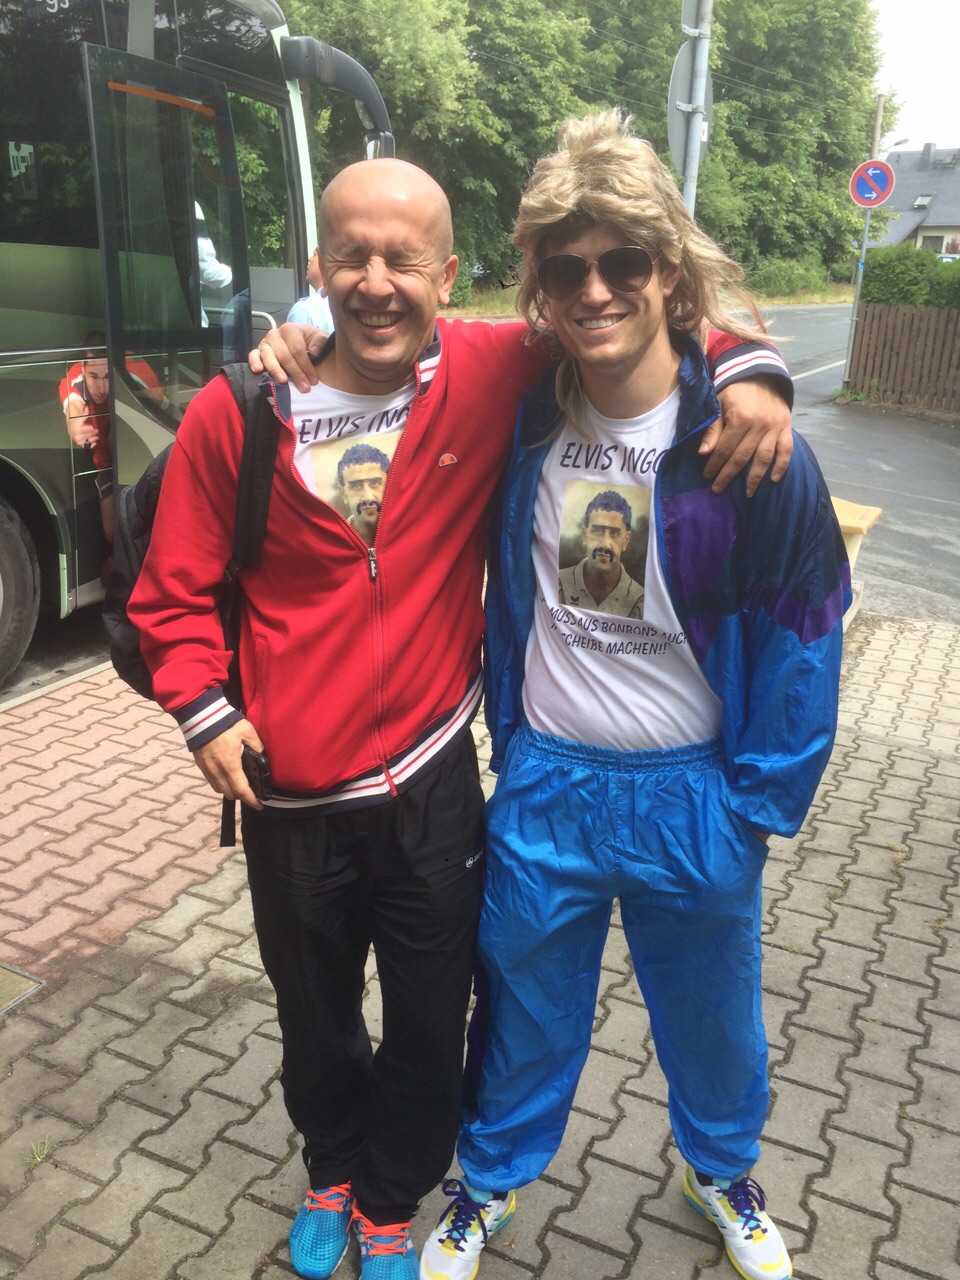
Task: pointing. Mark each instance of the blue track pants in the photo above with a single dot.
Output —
(569, 829)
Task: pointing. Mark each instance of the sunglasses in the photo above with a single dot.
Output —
(626, 270)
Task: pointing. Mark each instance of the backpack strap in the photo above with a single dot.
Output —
(257, 461)
(261, 436)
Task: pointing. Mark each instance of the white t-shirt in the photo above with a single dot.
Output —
(344, 446)
(607, 662)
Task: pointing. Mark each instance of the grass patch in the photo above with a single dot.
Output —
(39, 1151)
(847, 396)
(500, 302)
(830, 293)
(486, 302)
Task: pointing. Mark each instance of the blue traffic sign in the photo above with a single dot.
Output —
(872, 183)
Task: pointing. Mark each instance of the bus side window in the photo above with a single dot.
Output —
(271, 235)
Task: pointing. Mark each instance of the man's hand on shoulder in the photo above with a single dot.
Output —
(289, 354)
(755, 429)
(219, 762)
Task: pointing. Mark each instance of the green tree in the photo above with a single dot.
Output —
(533, 70)
(795, 98)
(476, 90)
(417, 54)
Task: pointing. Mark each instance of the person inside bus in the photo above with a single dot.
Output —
(85, 397)
(215, 276)
(360, 669)
(313, 309)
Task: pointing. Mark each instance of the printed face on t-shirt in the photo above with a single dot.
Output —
(345, 446)
(605, 538)
(361, 491)
(352, 477)
(603, 547)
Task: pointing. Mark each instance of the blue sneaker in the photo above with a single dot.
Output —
(386, 1253)
(321, 1231)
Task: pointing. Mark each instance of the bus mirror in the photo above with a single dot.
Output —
(377, 145)
(306, 58)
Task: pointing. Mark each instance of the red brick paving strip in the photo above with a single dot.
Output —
(105, 821)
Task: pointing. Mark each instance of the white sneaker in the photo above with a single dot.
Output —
(753, 1243)
(452, 1249)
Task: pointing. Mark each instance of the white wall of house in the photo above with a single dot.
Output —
(945, 239)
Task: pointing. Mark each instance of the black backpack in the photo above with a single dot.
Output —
(135, 514)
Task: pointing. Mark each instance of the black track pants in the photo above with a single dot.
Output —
(407, 878)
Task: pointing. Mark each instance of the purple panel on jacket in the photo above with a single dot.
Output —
(808, 623)
(695, 565)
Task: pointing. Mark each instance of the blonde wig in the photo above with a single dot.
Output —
(602, 173)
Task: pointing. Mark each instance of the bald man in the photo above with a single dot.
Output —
(360, 668)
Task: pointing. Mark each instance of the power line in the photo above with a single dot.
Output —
(780, 95)
(657, 57)
(574, 84)
(613, 79)
(752, 114)
(766, 71)
(595, 89)
(728, 57)
(767, 93)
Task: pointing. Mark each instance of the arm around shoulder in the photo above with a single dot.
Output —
(755, 392)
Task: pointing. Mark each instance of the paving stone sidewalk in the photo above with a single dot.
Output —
(142, 1133)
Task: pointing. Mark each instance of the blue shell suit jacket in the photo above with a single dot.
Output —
(759, 585)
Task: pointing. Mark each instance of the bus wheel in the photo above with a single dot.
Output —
(19, 589)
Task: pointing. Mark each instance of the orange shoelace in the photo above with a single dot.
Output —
(377, 1240)
(333, 1198)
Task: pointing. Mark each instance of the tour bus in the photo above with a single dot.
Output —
(156, 215)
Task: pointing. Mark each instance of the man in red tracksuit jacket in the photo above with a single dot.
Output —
(360, 670)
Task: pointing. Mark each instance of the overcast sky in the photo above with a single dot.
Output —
(920, 43)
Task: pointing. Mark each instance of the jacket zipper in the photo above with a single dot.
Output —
(373, 569)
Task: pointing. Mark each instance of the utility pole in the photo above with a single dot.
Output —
(698, 90)
(877, 126)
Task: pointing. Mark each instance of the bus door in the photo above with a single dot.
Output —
(173, 243)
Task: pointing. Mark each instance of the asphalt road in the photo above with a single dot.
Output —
(59, 650)
(907, 464)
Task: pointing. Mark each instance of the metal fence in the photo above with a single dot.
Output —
(908, 356)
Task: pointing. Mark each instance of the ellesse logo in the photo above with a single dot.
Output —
(448, 459)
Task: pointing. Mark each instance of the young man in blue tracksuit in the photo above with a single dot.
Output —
(646, 759)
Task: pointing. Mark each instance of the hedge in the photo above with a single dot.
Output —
(904, 276)
(780, 277)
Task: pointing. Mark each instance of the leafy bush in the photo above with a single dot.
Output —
(945, 286)
(844, 271)
(462, 287)
(780, 277)
(904, 276)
